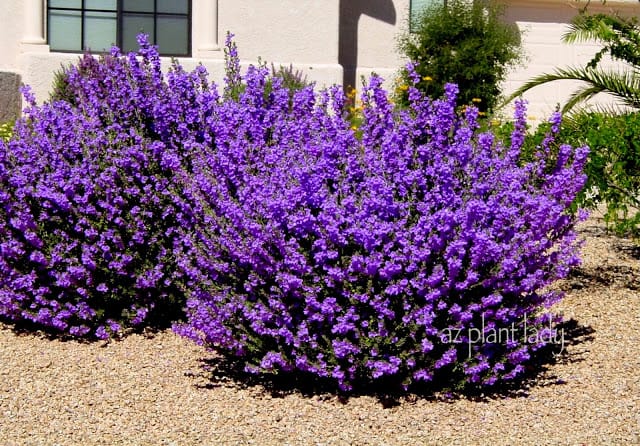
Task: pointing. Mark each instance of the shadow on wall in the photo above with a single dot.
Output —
(350, 12)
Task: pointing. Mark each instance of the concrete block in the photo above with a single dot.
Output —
(10, 98)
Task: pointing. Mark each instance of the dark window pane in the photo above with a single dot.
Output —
(65, 4)
(173, 6)
(111, 5)
(64, 30)
(105, 24)
(132, 25)
(173, 35)
(99, 30)
(137, 5)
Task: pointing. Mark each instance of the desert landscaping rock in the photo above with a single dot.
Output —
(157, 390)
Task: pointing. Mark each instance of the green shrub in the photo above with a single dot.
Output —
(466, 43)
(293, 80)
(613, 166)
(60, 88)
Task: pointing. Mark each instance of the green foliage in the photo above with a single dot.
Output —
(292, 80)
(60, 88)
(620, 39)
(466, 43)
(613, 167)
(614, 138)
(620, 36)
(6, 130)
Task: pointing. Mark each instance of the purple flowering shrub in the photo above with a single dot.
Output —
(91, 208)
(301, 245)
(359, 258)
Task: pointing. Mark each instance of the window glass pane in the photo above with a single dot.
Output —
(111, 5)
(137, 5)
(132, 25)
(64, 30)
(417, 8)
(65, 4)
(99, 30)
(173, 6)
(173, 35)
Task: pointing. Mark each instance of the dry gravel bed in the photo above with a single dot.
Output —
(155, 391)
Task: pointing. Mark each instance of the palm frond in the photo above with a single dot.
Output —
(597, 27)
(580, 96)
(624, 86)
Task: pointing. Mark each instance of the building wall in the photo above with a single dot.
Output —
(331, 41)
(12, 18)
(303, 33)
(543, 23)
(368, 34)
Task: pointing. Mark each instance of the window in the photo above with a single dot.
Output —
(416, 8)
(96, 25)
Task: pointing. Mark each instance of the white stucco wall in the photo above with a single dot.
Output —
(369, 32)
(330, 40)
(299, 32)
(543, 22)
(12, 18)
(305, 31)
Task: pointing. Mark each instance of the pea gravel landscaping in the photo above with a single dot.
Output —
(157, 390)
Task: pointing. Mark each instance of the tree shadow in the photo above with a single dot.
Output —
(219, 371)
(27, 328)
(623, 276)
(629, 248)
(350, 12)
(157, 322)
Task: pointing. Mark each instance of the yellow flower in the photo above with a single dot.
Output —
(495, 122)
(482, 114)
(427, 78)
(354, 128)
(476, 100)
(403, 87)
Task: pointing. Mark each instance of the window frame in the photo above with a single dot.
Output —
(120, 12)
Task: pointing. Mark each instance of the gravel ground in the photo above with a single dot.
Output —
(155, 391)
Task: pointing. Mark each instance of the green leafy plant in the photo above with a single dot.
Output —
(292, 79)
(620, 39)
(6, 130)
(613, 166)
(466, 43)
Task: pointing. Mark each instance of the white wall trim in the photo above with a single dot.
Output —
(33, 38)
(205, 28)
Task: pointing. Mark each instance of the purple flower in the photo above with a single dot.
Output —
(291, 241)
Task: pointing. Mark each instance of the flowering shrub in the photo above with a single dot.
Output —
(90, 202)
(302, 245)
(357, 258)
